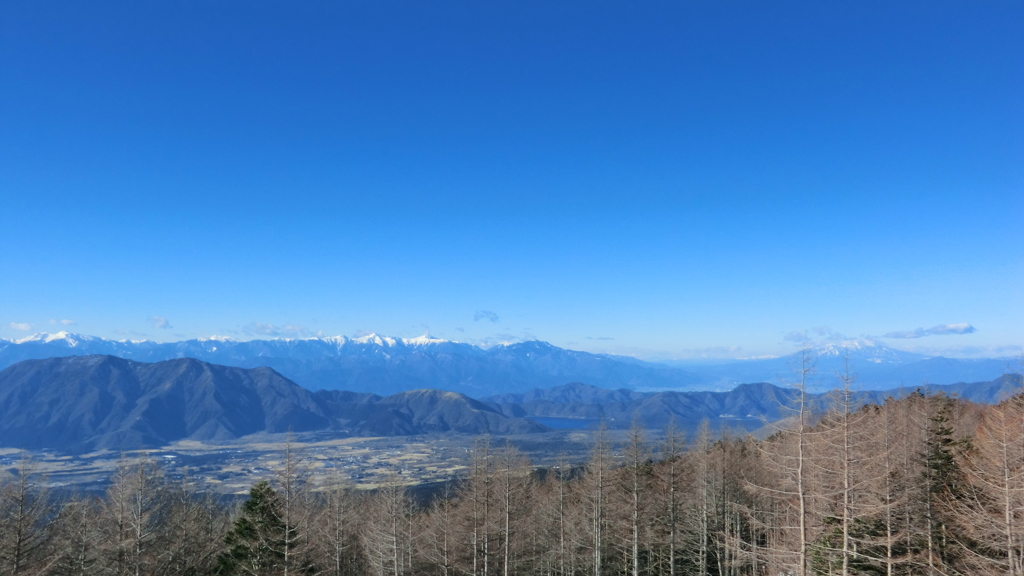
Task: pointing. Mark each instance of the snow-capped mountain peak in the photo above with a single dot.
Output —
(847, 347)
(424, 340)
(45, 337)
(216, 338)
(373, 338)
(375, 363)
(865, 350)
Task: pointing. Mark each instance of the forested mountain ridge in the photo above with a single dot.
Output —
(80, 403)
(83, 403)
(745, 407)
(418, 412)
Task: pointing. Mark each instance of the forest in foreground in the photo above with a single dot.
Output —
(927, 485)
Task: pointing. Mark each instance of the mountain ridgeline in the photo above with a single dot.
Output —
(380, 364)
(384, 365)
(878, 367)
(744, 408)
(84, 403)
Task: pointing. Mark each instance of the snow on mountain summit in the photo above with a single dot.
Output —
(72, 340)
(381, 364)
(390, 341)
(865, 350)
(424, 340)
(46, 338)
(216, 338)
(373, 338)
(847, 347)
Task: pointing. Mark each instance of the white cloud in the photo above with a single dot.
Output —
(938, 330)
(67, 322)
(23, 326)
(160, 322)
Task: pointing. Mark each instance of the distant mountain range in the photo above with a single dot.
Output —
(386, 365)
(379, 364)
(744, 408)
(85, 403)
(876, 366)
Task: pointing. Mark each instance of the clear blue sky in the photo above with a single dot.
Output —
(663, 179)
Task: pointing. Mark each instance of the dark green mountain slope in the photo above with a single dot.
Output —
(95, 402)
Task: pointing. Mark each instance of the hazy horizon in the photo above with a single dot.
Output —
(701, 357)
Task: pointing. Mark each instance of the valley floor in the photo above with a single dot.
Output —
(232, 468)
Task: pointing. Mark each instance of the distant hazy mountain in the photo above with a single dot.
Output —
(876, 366)
(379, 364)
(746, 407)
(386, 365)
(990, 392)
(90, 402)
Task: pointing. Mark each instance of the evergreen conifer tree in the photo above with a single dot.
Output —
(257, 539)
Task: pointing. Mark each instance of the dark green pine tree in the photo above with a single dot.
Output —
(945, 483)
(257, 539)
